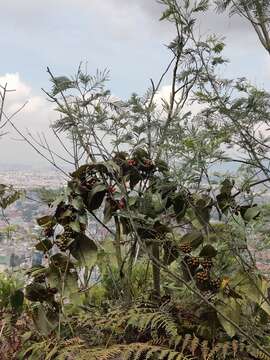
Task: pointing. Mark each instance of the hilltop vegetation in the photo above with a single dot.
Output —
(167, 281)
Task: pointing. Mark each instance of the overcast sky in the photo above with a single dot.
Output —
(124, 36)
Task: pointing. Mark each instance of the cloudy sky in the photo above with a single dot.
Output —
(124, 36)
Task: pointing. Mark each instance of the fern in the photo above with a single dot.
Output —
(257, 354)
(152, 319)
(154, 322)
(135, 351)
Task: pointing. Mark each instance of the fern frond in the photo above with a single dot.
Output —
(235, 347)
(153, 322)
(257, 353)
(225, 349)
(205, 349)
(186, 342)
(136, 351)
(194, 345)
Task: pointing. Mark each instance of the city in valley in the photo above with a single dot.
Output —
(18, 226)
(19, 230)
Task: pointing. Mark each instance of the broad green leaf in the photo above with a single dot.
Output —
(43, 324)
(53, 278)
(75, 226)
(255, 288)
(208, 251)
(84, 250)
(45, 220)
(108, 211)
(232, 310)
(134, 178)
(61, 261)
(194, 238)
(95, 197)
(71, 285)
(44, 245)
(252, 213)
(179, 206)
(16, 300)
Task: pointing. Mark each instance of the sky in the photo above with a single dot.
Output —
(124, 36)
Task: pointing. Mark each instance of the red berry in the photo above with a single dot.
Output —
(132, 162)
(111, 189)
(122, 204)
(148, 162)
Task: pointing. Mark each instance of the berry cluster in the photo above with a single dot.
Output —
(192, 262)
(207, 263)
(132, 162)
(111, 189)
(199, 269)
(203, 276)
(186, 248)
(148, 163)
(215, 284)
(121, 203)
(63, 241)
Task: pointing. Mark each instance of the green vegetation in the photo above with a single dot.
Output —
(176, 275)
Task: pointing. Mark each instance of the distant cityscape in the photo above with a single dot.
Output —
(31, 179)
(18, 226)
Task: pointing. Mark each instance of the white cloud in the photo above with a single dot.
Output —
(164, 94)
(36, 115)
(20, 93)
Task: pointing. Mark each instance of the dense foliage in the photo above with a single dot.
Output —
(176, 276)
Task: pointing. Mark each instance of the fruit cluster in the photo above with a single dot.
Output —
(111, 189)
(192, 262)
(132, 162)
(186, 248)
(64, 240)
(203, 276)
(199, 269)
(206, 263)
(215, 284)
